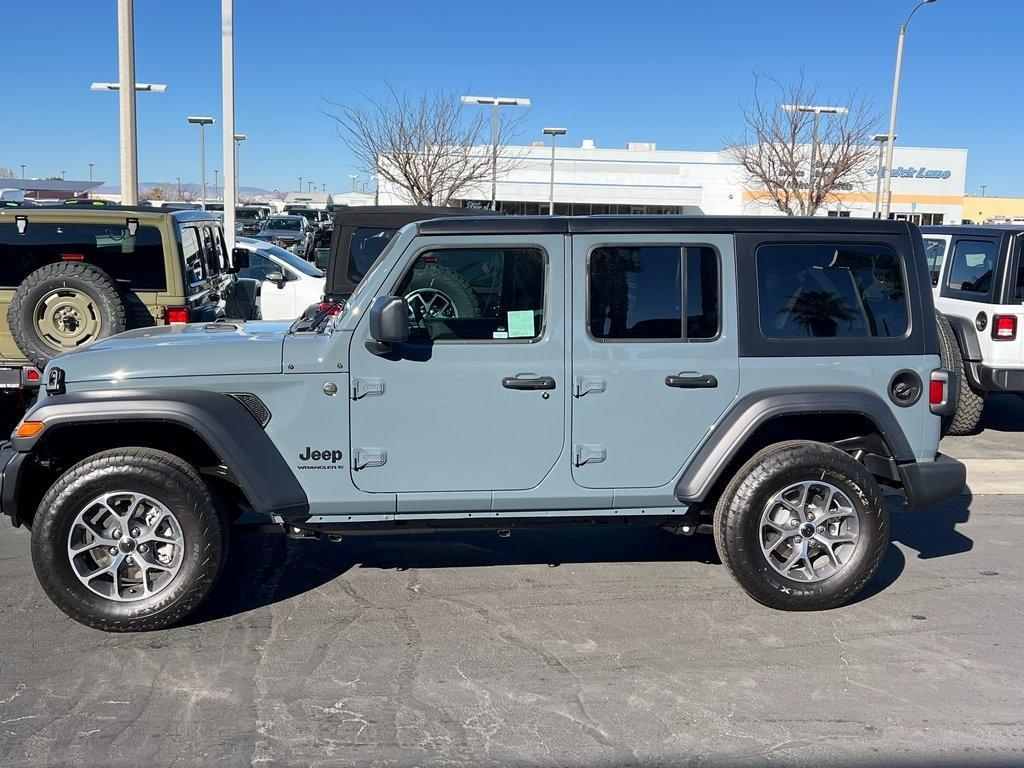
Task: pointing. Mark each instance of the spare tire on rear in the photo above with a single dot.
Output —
(62, 307)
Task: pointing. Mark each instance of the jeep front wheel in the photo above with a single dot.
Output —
(802, 526)
(128, 540)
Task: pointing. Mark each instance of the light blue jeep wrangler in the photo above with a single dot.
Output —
(756, 378)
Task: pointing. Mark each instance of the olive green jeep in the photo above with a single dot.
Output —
(72, 275)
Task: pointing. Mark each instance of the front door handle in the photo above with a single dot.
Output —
(692, 381)
(530, 383)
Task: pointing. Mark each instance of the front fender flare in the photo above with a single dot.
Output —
(218, 419)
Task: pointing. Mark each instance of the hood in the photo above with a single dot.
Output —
(195, 349)
(290, 234)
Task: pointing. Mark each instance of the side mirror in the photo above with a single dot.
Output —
(389, 323)
(277, 277)
(240, 258)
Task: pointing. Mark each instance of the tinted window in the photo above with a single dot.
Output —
(834, 291)
(138, 260)
(476, 294)
(935, 252)
(637, 292)
(284, 224)
(367, 244)
(192, 250)
(259, 267)
(972, 265)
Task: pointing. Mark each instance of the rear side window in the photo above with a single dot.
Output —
(831, 291)
(138, 260)
(367, 244)
(476, 294)
(656, 292)
(972, 266)
(934, 252)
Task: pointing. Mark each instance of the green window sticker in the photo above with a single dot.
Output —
(520, 324)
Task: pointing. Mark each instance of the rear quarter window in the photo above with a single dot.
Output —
(137, 261)
(972, 266)
(822, 290)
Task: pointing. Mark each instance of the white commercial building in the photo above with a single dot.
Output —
(927, 184)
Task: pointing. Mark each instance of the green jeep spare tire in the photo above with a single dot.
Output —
(62, 307)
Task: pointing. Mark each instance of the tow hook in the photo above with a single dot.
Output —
(294, 532)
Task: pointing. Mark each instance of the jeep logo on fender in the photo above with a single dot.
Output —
(328, 457)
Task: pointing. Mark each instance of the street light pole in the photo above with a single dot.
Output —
(817, 111)
(881, 138)
(126, 74)
(355, 178)
(887, 198)
(495, 102)
(90, 171)
(239, 138)
(202, 122)
(554, 133)
(22, 171)
(179, 187)
(216, 174)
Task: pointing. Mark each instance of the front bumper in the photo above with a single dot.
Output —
(997, 379)
(11, 463)
(929, 482)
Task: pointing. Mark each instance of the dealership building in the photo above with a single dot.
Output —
(927, 184)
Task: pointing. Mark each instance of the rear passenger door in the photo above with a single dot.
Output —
(654, 353)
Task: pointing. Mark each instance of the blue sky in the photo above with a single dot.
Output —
(669, 72)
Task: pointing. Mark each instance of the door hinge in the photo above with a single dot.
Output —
(368, 457)
(586, 384)
(588, 454)
(364, 387)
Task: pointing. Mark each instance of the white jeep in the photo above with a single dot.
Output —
(978, 282)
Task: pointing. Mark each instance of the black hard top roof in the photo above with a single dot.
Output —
(972, 229)
(395, 216)
(566, 225)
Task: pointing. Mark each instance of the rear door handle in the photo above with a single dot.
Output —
(692, 381)
(530, 383)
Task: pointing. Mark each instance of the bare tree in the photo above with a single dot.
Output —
(6, 173)
(155, 193)
(429, 146)
(776, 148)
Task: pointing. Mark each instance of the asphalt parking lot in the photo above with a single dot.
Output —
(583, 647)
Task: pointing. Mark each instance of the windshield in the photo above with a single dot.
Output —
(284, 223)
(297, 263)
(247, 213)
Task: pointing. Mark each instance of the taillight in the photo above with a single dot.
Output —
(177, 315)
(1004, 327)
(938, 392)
(32, 375)
(332, 308)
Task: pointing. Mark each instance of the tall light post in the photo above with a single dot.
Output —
(22, 171)
(309, 187)
(202, 122)
(355, 178)
(216, 174)
(90, 171)
(300, 184)
(228, 144)
(63, 173)
(887, 199)
(554, 133)
(881, 138)
(239, 138)
(129, 153)
(496, 103)
(179, 187)
(817, 111)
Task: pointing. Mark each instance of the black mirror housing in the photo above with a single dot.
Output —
(240, 258)
(389, 323)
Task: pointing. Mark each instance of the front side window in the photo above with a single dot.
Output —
(972, 265)
(656, 292)
(138, 260)
(830, 290)
(476, 294)
(367, 244)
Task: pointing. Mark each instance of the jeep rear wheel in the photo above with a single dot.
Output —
(970, 404)
(127, 540)
(802, 526)
(62, 307)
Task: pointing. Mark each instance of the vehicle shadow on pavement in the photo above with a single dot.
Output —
(1003, 413)
(264, 569)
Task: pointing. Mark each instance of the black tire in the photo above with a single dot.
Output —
(456, 289)
(970, 404)
(737, 524)
(162, 476)
(24, 316)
